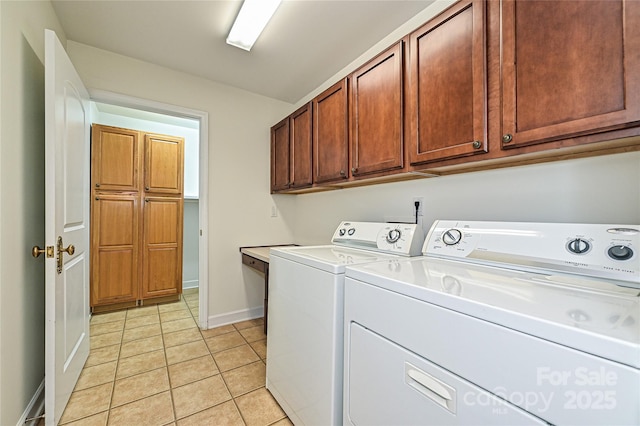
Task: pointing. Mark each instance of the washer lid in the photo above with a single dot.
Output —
(588, 314)
(329, 258)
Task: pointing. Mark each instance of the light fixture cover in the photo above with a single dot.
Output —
(251, 20)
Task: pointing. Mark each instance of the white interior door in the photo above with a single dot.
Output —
(67, 148)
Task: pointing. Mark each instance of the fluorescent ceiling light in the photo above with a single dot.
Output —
(253, 17)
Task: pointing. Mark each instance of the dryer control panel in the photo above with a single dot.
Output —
(403, 239)
(605, 251)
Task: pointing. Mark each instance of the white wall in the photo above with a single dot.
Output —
(238, 193)
(190, 238)
(22, 177)
(591, 190)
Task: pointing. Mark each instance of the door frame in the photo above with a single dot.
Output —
(119, 99)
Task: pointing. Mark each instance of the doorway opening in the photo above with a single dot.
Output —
(129, 112)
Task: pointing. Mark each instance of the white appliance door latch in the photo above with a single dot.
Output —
(437, 391)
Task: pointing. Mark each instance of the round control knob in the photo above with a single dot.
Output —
(451, 237)
(351, 231)
(393, 236)
(342, 232)
(620, 253)
(578, 246)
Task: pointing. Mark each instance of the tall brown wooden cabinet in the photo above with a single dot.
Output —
(136, 217)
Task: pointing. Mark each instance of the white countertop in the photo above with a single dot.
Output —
(260, 253)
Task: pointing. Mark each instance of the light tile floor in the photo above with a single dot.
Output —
(154, 366)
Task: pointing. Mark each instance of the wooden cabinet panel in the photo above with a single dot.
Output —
(114, 248)
(136, 235)
(280, 156)
(331, 135)
(569, 68)
(301, 147)
(376, 113)
(164, 164)
(448, 101)
(115, 162)
(162, 247)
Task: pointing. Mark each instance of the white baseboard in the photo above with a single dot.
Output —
(34, 408)
(236, 316)
(190, 284)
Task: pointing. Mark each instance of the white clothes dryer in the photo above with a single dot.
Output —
(305, 317)
(499, 324)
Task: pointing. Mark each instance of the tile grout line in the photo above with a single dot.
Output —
(219, 372)
(166, 363)
(113, 383)
(161, 323)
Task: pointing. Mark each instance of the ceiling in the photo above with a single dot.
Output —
(304, 44)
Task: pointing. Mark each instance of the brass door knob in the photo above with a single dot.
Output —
(37, 251)
(69, 250)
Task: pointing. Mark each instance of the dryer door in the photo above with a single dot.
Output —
(387, 384)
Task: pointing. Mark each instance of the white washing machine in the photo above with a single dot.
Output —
(305, 317)
(500, 323)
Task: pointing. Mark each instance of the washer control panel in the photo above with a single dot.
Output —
(403, 239)
(606, 251)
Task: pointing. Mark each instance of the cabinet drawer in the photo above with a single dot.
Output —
(254, 263)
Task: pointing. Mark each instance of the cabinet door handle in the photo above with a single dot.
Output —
(342, 173)
(146, 188)
(354, 170)
(477, 144)
(146, 200)
(97, 198)
(97, 185)
(506, 138)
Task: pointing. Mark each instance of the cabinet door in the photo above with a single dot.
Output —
(164, 164)
(447, 100)
(162, 247)
(115, 159)
(301, 146)
(330, 134)
(114, 248)
(569, 68)
(376, 113)
(280, 156)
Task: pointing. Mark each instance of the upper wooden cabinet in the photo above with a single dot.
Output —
(485, 84)
(301, 147)
(447, 103)
(280, 156)
(331, 134)
(164, 164)
(291, 151)
(569, 68)
(376, 113)
(115, 159)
